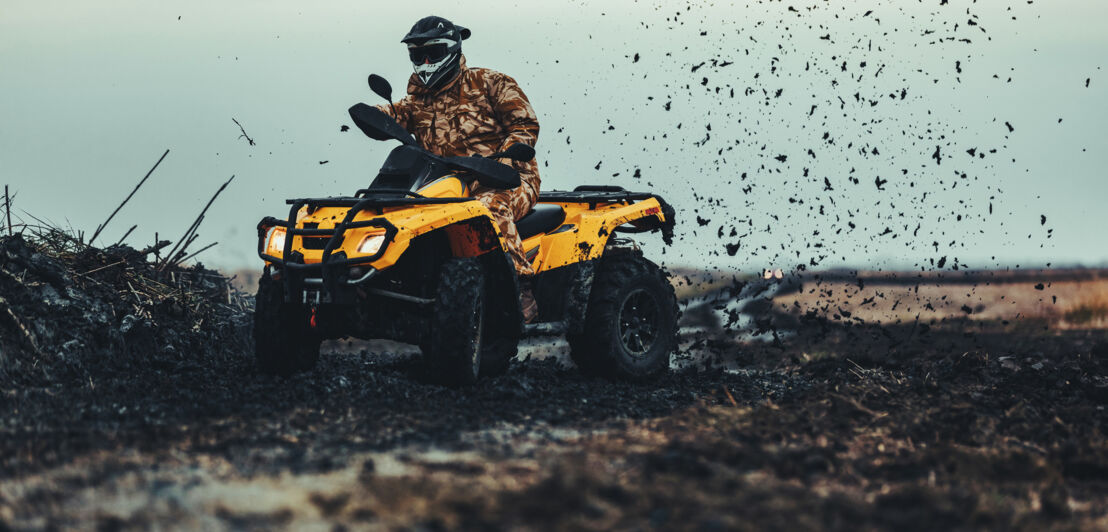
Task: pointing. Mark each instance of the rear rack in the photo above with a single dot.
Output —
(598, 194)
(376, 200)
(594, 194)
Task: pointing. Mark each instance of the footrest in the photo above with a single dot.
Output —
(552, 328)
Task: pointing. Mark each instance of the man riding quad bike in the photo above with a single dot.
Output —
(433, 252)
(454, 110)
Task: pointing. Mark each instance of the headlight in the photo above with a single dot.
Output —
(371, 244)
(275, 241)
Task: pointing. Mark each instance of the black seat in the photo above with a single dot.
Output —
(544, 217)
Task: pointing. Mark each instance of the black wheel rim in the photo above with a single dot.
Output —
(638, 322)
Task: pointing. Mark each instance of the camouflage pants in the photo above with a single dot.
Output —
(507, 206)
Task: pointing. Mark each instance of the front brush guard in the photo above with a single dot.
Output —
(333, 269)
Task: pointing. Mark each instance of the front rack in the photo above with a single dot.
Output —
(333, 268)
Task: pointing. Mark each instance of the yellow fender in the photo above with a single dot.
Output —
(468, 224)
(589, 233)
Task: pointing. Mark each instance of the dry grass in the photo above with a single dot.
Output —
(1062, 304)
(691, 282)
(1089, 309)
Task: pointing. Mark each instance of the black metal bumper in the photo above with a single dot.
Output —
(329, 280)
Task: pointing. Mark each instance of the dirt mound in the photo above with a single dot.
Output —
(69, 311)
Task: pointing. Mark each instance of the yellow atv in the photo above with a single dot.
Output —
(414, 258)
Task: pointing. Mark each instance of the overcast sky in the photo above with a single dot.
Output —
(817, 133)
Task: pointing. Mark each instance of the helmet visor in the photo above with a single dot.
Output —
(428, 53)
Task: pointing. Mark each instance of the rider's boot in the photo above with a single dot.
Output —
(527, 300)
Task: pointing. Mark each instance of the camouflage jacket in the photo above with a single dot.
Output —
(480, 111)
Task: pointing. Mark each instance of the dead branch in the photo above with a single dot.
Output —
(195, 253)
(195, 224)
(155, 248)
(730, 397)
(22, 328)
(128, 198)
(184, 240)
(8, 209)
(103, 268)
(127, 234)
(176, 258)
(42, 223)
(137, 296)
(244, 135)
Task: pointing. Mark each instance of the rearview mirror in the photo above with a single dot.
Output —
(380, 86)
(517, 152)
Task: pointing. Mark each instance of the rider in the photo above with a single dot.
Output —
(455, 110)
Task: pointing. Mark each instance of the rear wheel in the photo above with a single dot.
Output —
(630, 326)
(284, 342)
(454, 354)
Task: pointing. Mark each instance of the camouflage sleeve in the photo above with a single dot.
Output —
(513, 110)
(403, 112)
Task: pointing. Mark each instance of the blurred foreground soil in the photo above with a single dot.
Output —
(868, 419)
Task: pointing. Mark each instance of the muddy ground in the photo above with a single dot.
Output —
(959, 425)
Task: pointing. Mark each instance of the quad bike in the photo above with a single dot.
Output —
(414, 258)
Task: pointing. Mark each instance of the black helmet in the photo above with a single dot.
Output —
(435, 48)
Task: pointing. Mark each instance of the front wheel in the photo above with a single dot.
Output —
(630, 326)
(284, 342)
(453, 356)
(497, 353)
